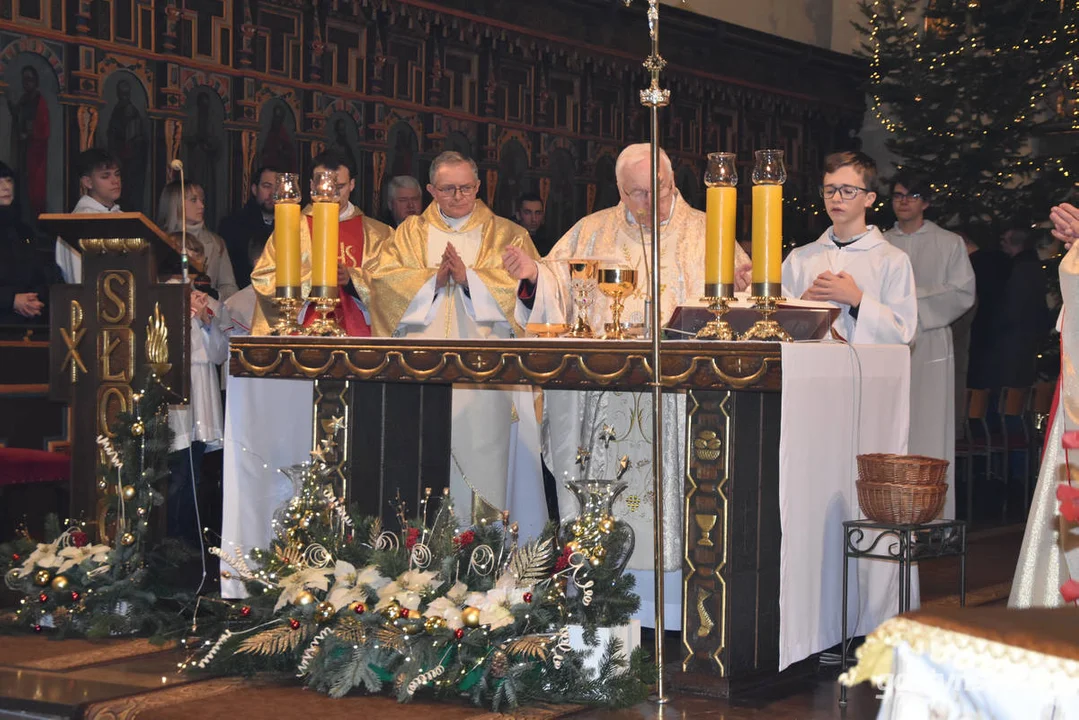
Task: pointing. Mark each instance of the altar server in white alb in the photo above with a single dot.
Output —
(851, 265)
(99, 178)
(944, 281)
(591, 434)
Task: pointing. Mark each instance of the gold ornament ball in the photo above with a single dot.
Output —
(434, 624)
(42, 577)
(129, 492)
(325, 612)
(606, 525)
(470, 616)
(59, 583)
(137, 429)
(578, 529)
(102, 485)
(599, 552)
(573, 546)
(596, 561)
(306, 521)
(304, 598)
(127, 539)
(392, 611)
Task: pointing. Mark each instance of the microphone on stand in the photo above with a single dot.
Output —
(178, 166)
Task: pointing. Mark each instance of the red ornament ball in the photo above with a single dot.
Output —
(405, 612)
(79, 538)
(75, 596)
(245, 611)
(43, 597)
(294, 623)
(359, 609)
(37, 628)
(459, 633)
(528, 597)
(15, 557)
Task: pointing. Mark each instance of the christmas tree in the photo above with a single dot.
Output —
(966, 89)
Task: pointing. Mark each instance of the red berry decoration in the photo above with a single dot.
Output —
(43, 597)
(359, 609)
(37, 628)
(245, 611)
(459, 633)
(75, 596)
(294, 623)
(16, 557)
(404, 612)
(528, 597)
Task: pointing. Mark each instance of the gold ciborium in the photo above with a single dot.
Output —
(582, 273)
(616, 283)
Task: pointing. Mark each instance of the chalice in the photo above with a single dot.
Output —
(582, 275)
(616, 283)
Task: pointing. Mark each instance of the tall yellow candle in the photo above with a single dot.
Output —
(324, 244)
(768, 234)
(721, 202)
(286, 237)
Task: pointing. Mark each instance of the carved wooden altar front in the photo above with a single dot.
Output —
(731, 530)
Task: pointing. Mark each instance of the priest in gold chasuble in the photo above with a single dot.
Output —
(442, 277)
(590, 434)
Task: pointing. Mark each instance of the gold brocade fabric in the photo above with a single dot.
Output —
(388, 285)
(1050, 545)
(264, 276)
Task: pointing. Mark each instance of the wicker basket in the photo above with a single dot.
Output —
(901, 469)
(902, 504)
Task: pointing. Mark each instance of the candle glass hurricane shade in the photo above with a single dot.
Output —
(722, 170)
(770, 168)
(324, 186)
(286, 188)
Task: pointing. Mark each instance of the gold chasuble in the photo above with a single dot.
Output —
(494, 439)
(360, 239)
(406, 265)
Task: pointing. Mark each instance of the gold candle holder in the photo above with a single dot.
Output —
(718, 297)
(287, 303)
(326, 301)
(766, 328)
(582, 275)
(616, 283)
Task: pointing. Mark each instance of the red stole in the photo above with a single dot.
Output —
(350, 249)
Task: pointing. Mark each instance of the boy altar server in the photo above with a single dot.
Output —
(851, 265)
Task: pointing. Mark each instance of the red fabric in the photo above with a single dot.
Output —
(350, 249)
(21, 465)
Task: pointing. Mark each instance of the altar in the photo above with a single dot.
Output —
(760, 581)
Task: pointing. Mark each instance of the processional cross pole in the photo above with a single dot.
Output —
(654, 97)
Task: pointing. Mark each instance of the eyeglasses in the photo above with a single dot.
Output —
(847, 192)
(904, 197)
(642, 195)
(451, 190)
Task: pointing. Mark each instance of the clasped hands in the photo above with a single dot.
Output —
(837, 287)
(27, 304)
(200, 306)
(451, 266)
(1065, 219)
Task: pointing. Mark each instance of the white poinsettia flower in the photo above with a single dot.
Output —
(72, 556)
(446, 609)
(43, 556)
(350, 585)
(458, 592)
(297, 582)
(372, 577)
(496, 616)
(506, 593)
(419, 580)
(408, 589)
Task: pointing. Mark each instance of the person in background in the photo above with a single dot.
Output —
(404, 198)
(245, 232)
(218, 265)
(99, 179)
(24, 273)
(529, 213)
(1023, 322)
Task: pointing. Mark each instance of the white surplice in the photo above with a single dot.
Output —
(888, 313)
(495, 437)
(1050, 551)
(202, 417)
(944, 281)
(575, 419)
(68, 258)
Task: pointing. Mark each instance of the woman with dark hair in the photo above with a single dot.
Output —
(24, 273)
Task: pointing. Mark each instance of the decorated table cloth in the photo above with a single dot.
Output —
(980, 662)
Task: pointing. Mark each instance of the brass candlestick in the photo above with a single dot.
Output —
(718, 296)
(325, 325)
(582, 275)
(616, 283)
(287, 303)
(766, 328)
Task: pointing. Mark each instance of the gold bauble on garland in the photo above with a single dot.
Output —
(392, 611)
(303, 598)
(434, 623)
(42, 577)
(325, 612)
(129, 492)
(59, 583)
(470, 616)
(137, 428)
(127, 539)
(606, 525)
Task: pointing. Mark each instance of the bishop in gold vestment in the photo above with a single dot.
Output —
(442, 277)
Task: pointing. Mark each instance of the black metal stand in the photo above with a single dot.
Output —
(906, 544)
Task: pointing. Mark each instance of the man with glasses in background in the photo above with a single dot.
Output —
(851, 265)
(944, 282)
(442, 277)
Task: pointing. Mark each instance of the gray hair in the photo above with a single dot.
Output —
(451, 157)
(401, 182)
(633, 154)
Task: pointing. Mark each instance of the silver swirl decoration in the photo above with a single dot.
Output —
(421, 556)
(387, 541)
(578, 561)
(12, 578)
(482, 561)
(317, 556)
